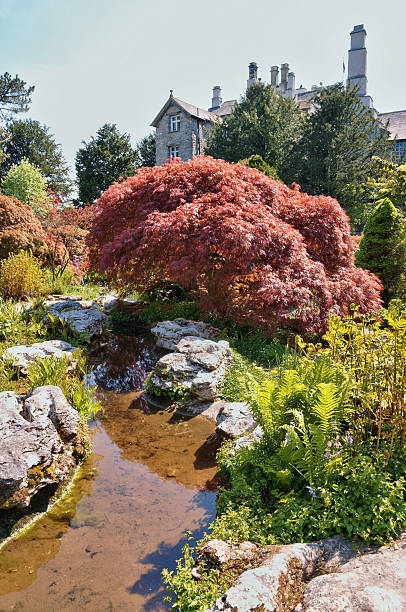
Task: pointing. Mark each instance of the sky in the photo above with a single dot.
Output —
(114, 61)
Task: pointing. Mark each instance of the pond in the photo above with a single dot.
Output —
(150, 478)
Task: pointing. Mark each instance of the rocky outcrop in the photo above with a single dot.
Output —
(41, 441)
(81, 316)
(277, 584)
(197, 367)
(374, 581)
(169, 333)
(23, 355)
(331, 575)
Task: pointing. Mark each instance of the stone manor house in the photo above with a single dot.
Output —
(181, 127)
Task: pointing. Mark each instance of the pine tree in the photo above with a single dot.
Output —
(382, 249)
(256, 161)
(145, 151)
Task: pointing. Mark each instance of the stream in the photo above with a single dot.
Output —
(151, 477)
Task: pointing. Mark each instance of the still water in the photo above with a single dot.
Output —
(149, 479)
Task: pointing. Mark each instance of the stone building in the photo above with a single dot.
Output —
(181, 127)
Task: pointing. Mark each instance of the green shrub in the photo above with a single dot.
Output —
(21, 276)
(256, 161)
(193, 595)
(58, 285)
(17, 326)
(382, 249)
(168, 311)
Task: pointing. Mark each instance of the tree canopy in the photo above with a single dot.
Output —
(262, 123)
(145, 151)
(29, 139)
(26, 183)
(20, 228)
(335, 153)
(254, 250)
(15, 96)
(102, 161)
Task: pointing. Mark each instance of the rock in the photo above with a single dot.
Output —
(277, 584)
(169, 333)
(374, 581)
(198, 366)
(85, 321)
(40, 443)
(23, 355)
(235, 419)
(226, 555)
(81, 316)
(251, 438)
(106, 302)
(209, 410)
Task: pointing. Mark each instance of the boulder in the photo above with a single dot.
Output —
(169, 333)
(374, 581)
(197, 366)
(249, 439)
(106, 302)
(277, 584)
(41, 441)
(23, 355)
(235, 419)
(81, 316)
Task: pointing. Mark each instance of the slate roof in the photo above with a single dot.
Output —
(225, 109)
(397, 124)
(194, 111)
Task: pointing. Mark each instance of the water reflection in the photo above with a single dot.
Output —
(105, 545)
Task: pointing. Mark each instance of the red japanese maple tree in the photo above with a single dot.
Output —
(255, 250)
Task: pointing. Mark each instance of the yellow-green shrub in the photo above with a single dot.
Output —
(21, 275)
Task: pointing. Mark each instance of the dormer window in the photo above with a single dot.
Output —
(174, 123)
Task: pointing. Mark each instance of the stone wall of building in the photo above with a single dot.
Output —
(190, 138)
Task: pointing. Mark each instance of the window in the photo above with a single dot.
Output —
(399, 153)
(174, 125)
(173, 152)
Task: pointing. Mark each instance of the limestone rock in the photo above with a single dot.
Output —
(81, 316)
(197, 366)
(23, 355)
(225, 555)
(249, 439)
(169, 333)
(372, 582)
(235, 419)
(277, 584)
(40, 443)
(106, 302)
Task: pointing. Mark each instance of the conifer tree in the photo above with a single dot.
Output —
(382, 249)
(263, 123)
(335, 154)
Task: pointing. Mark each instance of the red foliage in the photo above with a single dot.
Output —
(66, 229)
(256, 250)
(20, 229)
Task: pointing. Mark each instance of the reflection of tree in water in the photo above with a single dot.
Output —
(123, 363)
(21, 557)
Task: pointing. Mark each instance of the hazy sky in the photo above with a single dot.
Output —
(114, 61)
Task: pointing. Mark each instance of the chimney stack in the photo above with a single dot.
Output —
(216, 100)
(357, 63)
(275, 76)
(291, 90)
(252, 74)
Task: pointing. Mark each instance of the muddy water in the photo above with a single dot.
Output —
(149, 479)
